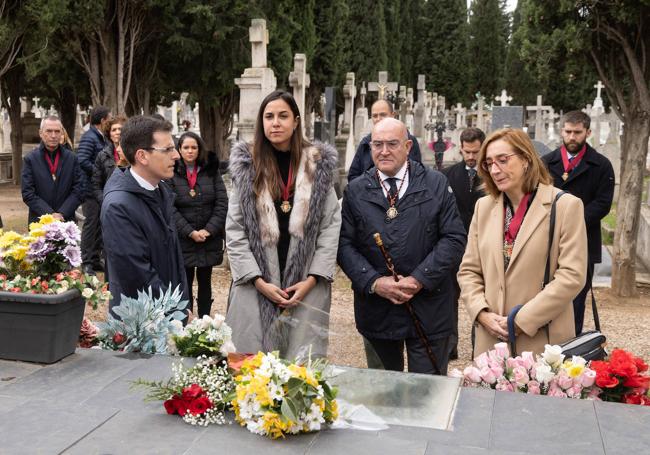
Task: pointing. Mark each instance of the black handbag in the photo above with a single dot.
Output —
(589, 345)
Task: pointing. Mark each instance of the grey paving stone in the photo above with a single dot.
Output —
(365, 442)
(538, 423)
(234, 439)
(11, 371)
(8, 403)
(139, 433)
(624, 428)
(470, 423)
(42, 427)
(76, 377)
(439, 449)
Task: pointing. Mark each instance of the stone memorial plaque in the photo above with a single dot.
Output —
(511, 116)
(417, 400)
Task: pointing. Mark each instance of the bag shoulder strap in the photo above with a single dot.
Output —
(551, 230)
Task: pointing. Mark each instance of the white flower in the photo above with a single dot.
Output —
(63, 288)
(227, 348)
(553, 354)
(577, 360)
(543, 373)
(217, 321)
(205, 322)
(87, 293)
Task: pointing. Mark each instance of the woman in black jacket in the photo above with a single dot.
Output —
(109, 158)
(200, 213)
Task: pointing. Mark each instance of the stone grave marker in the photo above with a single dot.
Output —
(382, 86)
(299, 81)
(507, 116)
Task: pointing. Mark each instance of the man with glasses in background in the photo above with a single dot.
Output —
(52, 181)
(414, 210)
(464, 181)
(140, 239)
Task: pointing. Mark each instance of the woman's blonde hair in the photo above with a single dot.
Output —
(536, 172)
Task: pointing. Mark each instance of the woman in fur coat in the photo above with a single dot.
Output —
(282, 233)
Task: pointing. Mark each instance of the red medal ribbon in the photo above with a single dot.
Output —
(116, 156)
(569, 166)
(191, 178)
(55, 165)
(285, 187)
(517, 220)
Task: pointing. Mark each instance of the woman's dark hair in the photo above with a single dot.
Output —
(202, 157)
(267, 173)
(98, 114)
(121, 119)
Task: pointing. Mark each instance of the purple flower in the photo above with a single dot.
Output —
(72, 253)
(71, 233)
(39, 249)
(54, 231)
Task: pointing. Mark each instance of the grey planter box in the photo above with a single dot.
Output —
(39, 328)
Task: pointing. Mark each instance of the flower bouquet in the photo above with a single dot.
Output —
(549, 374)
(206, 336)
(199, 394)
(145, 323)
(275, 397)
(87, 334)
(623, 378)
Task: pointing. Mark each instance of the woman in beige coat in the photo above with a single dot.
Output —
(507, 249)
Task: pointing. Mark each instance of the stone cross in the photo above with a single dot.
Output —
(259, 38)
(441, 103)
(550, 116)
(480, 113)
(299, 81)
(401, 101)
(539, 117)
(349, 93)
(598, 107)
(422, 86)
(503, 98)
(363, 94)
(382, 86)
(599, 86)
(459, 110)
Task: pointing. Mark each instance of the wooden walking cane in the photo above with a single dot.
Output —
(407, 304)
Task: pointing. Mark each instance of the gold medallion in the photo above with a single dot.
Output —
(565, 176)
(391, 213)
(192, 192)
(285, 206)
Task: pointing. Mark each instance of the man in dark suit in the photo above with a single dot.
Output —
(91, 143)
(362, 161)
(464, 181)
(579, 169)
(52, 181)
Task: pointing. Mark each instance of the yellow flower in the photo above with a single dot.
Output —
(27, 240)
(18, 252)
(46, 219)
(298, 371)
(334, 410)
(36, 230)
(574, 370)
(9, 238)
(274, 425)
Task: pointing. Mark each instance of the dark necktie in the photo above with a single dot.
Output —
(472, 176)
(392, 192)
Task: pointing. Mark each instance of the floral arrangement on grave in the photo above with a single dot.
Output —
(43, 261)
(623, 378)
(548, 374)
(200, 394)
(274, 397)
(145, 323)
(206, 336)
(87, 334)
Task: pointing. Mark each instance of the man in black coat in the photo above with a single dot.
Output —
(91, 143)
(140, 239)
(464, 181)
(52, 181)
(579, 169)
(414, 210)
(362, 160)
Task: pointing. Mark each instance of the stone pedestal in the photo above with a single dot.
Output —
(31, 126)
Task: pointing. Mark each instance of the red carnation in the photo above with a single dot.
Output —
(637, 382)
(192, 391)
(171, 406)
(200, 405)
(3, 277)
(641, 366)
(15, 289)
(44, 285)
(118, 338)
(606, 381)
(636, 398)
(622, 363)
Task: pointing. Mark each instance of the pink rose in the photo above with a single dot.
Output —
(497, 370)
(534, 388)
(503, 385)
(481, 361)
(488, 376)
(575, 391)
(528, 359)
(594, 394)
(512, 363)
(564, 381)
(520, 376)
(502, 350)
(587, 378)
(555, 391)
(472, 373)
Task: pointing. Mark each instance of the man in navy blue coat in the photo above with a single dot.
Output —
(91, 143)
(52, 181)
(414, 210)
(362, 160)
(140, 240)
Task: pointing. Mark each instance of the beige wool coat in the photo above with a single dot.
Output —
(485, 285)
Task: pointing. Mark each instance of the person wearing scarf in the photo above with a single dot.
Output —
(507, 249)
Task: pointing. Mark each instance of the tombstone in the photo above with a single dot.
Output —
(256, 82)
(409, 108)
(420, 115)
(382, 86)
(400, 104)
(30, 124)
(598, 101)
(347, 132)
(299, 81)
(197, 121)
(540, 147)
(480, 113)
(507, 116)
(503, 98)
(550, 117)
(539, 109)
(174, 119)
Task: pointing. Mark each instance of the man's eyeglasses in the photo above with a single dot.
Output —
(391, 145)
(169, 149)
(500, 161)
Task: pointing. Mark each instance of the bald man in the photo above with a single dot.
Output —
(415, 212)
(362, 161)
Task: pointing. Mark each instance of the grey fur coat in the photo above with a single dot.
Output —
(252, 235)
